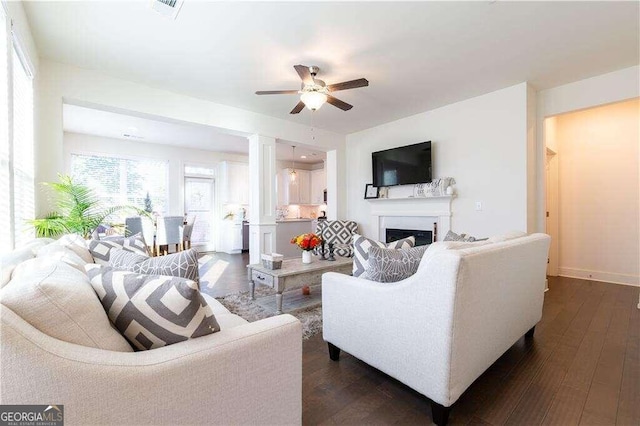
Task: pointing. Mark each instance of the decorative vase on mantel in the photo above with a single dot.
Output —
(306, 256)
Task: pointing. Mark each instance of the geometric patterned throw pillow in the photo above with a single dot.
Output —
(152, 311)
(183, 264)
(123, 259)
(101, 249)
(452, 236)
(361, 246)
(389, 266)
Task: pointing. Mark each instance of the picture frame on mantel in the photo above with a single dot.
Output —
(370, 191)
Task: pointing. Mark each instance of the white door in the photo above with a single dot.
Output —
(198, 202)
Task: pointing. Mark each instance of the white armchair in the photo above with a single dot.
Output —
(440, 329)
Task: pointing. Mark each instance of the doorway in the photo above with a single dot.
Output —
(198, 205)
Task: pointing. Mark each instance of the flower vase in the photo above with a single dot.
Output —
(306, 256)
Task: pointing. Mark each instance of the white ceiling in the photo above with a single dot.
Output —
(78, 119)
(416, 55)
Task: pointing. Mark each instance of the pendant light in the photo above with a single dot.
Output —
(292, 173)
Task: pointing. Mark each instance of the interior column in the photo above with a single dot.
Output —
(262, 196)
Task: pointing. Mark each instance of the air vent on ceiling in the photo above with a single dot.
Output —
(167, 8)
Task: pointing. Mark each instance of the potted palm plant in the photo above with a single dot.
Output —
(78, 210)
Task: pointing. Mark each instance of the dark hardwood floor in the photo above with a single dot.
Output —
(222, 274)
(582, 367)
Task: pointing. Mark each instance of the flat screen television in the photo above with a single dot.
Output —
(405, 165)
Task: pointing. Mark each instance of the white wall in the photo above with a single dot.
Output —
(61, 82)
(177, 157)
(604, 89)
(599, 193)
(481, 142)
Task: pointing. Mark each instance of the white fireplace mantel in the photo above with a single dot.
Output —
(410, 212)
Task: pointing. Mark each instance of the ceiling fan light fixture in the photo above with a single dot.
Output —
(313, 100)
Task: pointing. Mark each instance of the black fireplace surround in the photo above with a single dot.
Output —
(423, 238)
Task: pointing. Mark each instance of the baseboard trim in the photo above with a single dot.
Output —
(607, 277)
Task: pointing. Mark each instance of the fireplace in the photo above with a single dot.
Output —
(422, 237)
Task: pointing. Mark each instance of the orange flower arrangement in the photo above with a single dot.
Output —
(307, 241)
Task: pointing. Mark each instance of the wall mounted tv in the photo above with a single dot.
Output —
(405, 165)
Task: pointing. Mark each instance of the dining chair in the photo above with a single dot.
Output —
(141, 225)
(188, 229)
(169, 232)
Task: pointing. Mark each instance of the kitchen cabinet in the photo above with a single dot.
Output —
(234, 182)
(297, 192)
(231, 237)
(318, 185)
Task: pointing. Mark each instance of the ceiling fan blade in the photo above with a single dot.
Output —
(338, 103)
(305, 75)
(277, 92)
(353, 84)
(299, 107)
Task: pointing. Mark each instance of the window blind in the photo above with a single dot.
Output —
(6, 241)
(119, 181)
(23, 160)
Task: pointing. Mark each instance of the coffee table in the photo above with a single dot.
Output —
(295, 274)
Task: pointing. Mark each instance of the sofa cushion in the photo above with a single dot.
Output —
(76, 244)
(391, 265)
(217, 307)
(228, 321)
(152, 311)
(183, 264)
(9, 261)
(101, 249)
(57, 252)
(361, 246)
(58, 300)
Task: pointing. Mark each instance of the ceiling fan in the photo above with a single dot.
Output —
(314, 92)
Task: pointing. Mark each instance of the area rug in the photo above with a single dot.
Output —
(242, 305)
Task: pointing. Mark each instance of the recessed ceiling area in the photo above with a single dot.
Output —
(417, 56)
(96, 122)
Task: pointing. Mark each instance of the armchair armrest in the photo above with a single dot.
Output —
(250, 374)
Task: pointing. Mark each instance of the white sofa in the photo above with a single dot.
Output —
(440, 329)
(247, 373)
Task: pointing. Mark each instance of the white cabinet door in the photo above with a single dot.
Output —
(231, 237)
(296, 192)
(318, 185)
(304, 187)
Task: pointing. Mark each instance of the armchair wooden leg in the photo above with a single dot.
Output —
(334, 352)
(439, 413)
(529, 334)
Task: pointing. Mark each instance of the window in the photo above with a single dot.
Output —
(23, 161)
(119, 181)
(6, 228)
(16, 140)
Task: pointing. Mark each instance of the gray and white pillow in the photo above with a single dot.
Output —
(452, 236)
(361, 246)
(183, 264)
(152, 311)
(390, 265)
(101, 249)
(123, 259)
